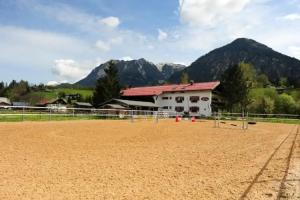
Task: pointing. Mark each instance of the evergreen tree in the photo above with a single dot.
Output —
(107, 87)
(2, 89)
(236, 83)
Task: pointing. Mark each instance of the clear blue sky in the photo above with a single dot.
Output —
(62, 40)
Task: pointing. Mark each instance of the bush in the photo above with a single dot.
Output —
(262, 100)
(285, 104)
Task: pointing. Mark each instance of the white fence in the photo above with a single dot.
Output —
(249, 118)
(22, 113)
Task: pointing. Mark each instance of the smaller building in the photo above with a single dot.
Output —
(83, 105)
(59, 104)
(20, 104)
(4, 102)
(113, 106)
(130, 105)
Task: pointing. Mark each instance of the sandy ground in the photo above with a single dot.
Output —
(145, 160)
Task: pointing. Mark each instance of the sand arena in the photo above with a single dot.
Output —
(147, 160)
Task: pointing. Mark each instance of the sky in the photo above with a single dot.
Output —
(55, 41)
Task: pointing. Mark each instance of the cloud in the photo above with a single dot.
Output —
(116, 40)
(162, 35)
(77, 18)
(106, 46)
(126, 58)
(209, 12)
(292, 17)
(39, 48)
(68, 69)
(102, 46)
(52, 83)
(112, 22)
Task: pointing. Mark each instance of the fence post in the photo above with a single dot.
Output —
(219, 114)
(50, 112)
(242, 120)
(247, 119)
(131, 117)
(23, 113)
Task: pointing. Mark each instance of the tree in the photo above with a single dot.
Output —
(184, 79)
(285, 104)
(61, 94)
(283, 82)
(262, 81)
(107, 87)
(263, 105)
(262, 100)
(236, 83)
(2, 89)
(17, 90)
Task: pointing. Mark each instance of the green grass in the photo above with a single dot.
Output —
(83, 92)
(53, 93)
(20, 118)
(278, 120)
(270, 120)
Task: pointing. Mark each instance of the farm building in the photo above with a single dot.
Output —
(4, 101)
(193, 99)
(83, 105)
(59, 104)
(20, 104)
(129, 105)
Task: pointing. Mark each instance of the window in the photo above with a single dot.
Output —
(165, 107)
(179, 99)
(194, 99)
(204, 99)
(179, 109)
(170, 107)
(165, 98)
(194, 109)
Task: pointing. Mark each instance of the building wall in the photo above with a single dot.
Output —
(170, 104)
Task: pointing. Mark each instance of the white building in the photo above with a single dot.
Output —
(194, 99)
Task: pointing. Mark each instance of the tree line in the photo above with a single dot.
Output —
(243, 89)
(22, 91)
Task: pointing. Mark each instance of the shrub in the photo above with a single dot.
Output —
(285, 104)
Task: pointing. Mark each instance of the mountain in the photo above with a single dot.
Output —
(265, 61)
(168, 69)
(131, 73)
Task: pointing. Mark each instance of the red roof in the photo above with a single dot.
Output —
(157, 90)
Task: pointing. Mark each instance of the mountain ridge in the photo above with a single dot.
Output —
(265, 60)
(208, 67)
(131, 73)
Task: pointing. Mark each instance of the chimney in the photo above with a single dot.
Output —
(191, 82)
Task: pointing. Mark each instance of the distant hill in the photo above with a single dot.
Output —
(265, 60)
(133, 73)
(207, 68)
(168, 69)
